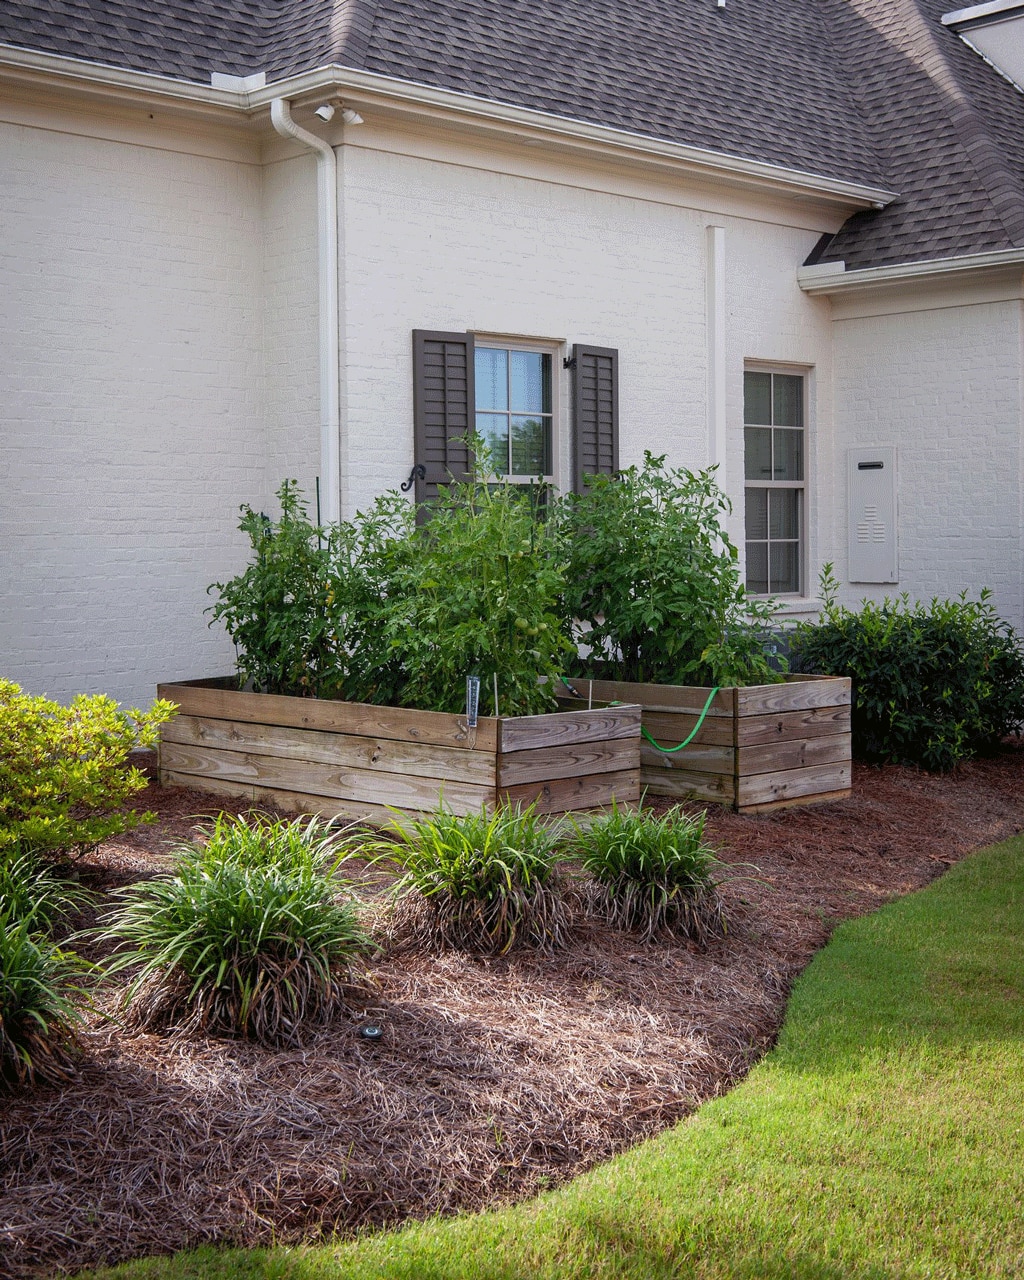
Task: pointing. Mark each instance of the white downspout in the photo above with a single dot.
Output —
(330, 349)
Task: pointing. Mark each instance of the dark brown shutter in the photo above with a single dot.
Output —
(595, 412)
(444, 408)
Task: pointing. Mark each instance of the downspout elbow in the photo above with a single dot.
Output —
(330, 347)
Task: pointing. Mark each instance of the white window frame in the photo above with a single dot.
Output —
(804, 373)
(541, 346)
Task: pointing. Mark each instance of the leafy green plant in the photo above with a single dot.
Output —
(483, 882)
(64, 774)
(652, 584)
(38, 1017)
(30, 888)
(933, 683)
(653, 874)
(478, 594)
(254, 935)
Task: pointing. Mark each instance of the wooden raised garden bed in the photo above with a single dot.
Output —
(351, 759)
(760, 747)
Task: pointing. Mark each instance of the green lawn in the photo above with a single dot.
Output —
(883, 1137)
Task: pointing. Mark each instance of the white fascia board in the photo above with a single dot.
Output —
(991, 10)
(368, 88)
(820, 280)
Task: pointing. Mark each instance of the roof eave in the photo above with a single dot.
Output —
(833, 278)
(367, 88)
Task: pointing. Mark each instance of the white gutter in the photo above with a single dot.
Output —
(832, 277)
(362, 88)
(330, 346)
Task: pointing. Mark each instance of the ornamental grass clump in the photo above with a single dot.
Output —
(653, 875)
(483, 882)
(255, 934)
(30, 887)
(39, 1019)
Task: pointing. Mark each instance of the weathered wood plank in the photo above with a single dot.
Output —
(793, 695)
(777, 757)
(766, 788)
(680, 784)
(402, 791)
(696, 758)
(385, 755)
(571, 761)
(819, 797)
(672, 727)
(286, 801)
(664, 697)
(437, 728)
(563, 794)
(563, 728)
(789, 725)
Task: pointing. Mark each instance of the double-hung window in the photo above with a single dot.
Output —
(514, 411)
(774, 468)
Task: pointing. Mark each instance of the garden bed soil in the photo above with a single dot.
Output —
(494, 1077)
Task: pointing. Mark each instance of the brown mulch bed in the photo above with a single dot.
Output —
(494, 1077)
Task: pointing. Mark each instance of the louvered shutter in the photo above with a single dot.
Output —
(595, 412)
(444, 404)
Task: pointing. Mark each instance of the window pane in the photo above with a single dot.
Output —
(757, 453)
(757, 398)
(531, 452)
(493, 427)
(757, 567)
(757, 513)
(789, 400)
(491, 379)
(784, 505)
(789, 455)
(785, 566)
(531, 382)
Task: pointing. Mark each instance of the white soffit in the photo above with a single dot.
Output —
(996, 31)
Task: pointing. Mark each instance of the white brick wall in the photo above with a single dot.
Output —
(131, 410)
(943, 385)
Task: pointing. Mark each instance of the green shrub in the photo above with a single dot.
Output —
(64, 775)
(38, 1017)
(483, 883)
(249, 937)
(478, 594)
(298, 614)
(653, 585)
(654, 875)
(932, 684)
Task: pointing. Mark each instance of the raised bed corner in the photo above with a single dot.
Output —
(350, 759)
(760, 747)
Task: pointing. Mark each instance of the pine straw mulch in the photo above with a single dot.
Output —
(494, 1078)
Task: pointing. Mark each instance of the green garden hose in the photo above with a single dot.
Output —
(689, 738)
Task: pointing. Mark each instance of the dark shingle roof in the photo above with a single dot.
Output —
(870, 91)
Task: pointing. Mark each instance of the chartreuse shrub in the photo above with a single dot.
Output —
(654, 874)
(64, 775)
(933, 683)
(652, 582)
(483, 882)
(253, 935)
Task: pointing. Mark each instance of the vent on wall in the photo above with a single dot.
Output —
(872, 509)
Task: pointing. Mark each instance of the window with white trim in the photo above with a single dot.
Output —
(774, 451)
(515, 410)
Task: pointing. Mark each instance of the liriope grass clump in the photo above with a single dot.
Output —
(39, 980)
(652, 875)
(483, 882)
(254, 935)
